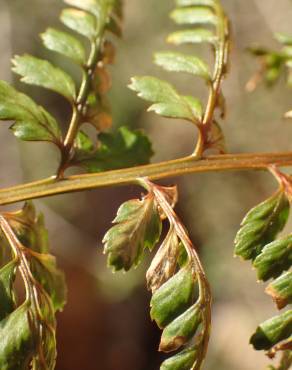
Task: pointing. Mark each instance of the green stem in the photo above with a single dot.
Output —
(79, 106)
(221, 60)
(228, 162)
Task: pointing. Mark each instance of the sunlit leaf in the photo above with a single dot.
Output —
(261, 225)
(64, 44)
(32, 122)
(281, 290)
(137, 226)
(181, 361)
(195, 2)
(275, 258)
(101, 9)
(79, 21)
(93, 6)
(194, 15)
(179, 62)
(272, 331)
(194, 36)
(39, 72)
(173, 297)
(167, 101)
(181, 330)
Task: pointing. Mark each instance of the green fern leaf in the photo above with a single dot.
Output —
(183, 360)
(281, 290)
(173, 297)
(80, 22)
(96, 7)
(30, 229)
(272, 331)
(194, 15)
(17, 344)
(179, 62)
(261, 225)
(65, 44)
(194, 36)
(32, 122)
(29, 331)
(92, 6)
(124, 148)
(195, 2)
(275, 258)
(138, 226)
(83, 143)
(181, 330)
(39, 72)
(167, 101)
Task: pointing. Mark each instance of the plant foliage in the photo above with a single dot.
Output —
(273, 64)
(206, 23)
(181, 296)
(256, 240)
(95, 20)
(180, 304)
(28, 328)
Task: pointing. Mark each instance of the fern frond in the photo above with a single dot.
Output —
(271, 257)
(94, 20)
(181, 299)
(206, 23)
(28, 330)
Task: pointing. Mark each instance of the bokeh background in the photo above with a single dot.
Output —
(106, 323)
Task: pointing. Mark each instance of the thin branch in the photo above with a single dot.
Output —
(53, 186)
(79, 106)
(221, 61)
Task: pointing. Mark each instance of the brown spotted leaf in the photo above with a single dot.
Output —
(164, 263)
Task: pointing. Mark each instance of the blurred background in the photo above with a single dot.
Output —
(106, 322)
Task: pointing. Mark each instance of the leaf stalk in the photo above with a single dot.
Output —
(188, 165)
(220, 69)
